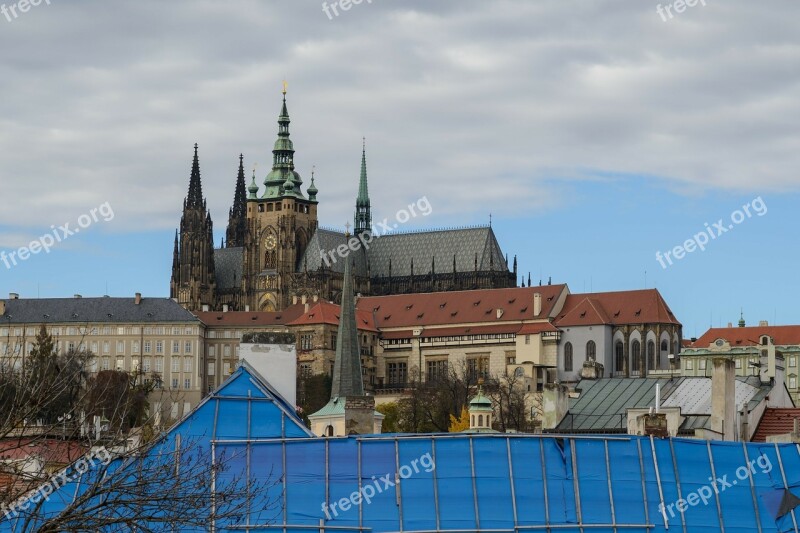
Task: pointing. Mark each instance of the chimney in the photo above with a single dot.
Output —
(730, 325)
(2, 307)
(77, 296)
(315, 298)
(499, 314)
(224, 308)
(306, 306)
(723, 398)
(304, 299)
(13, 296)
(537, 304)
(138, 298)
(763, 323)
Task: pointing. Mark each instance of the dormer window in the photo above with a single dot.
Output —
(764, 340)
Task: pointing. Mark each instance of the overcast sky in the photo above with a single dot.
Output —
(595, 132)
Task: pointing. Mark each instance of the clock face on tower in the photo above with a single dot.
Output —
(270, 242)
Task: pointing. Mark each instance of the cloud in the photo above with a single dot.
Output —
(481, 106)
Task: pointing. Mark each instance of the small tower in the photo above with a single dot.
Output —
(363, 217)
(480, 412)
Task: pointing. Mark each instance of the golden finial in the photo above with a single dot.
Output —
(285, 86)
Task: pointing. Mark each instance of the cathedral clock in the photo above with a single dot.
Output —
(270, 242)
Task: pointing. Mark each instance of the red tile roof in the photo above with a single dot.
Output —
(775, 421)
(51, 451)
(750, 336)
(461, 307)
(616, 308)
(324, 312)
(249, 318)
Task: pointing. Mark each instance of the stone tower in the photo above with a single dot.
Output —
(280, 222)
(193, 282)
(237, 216)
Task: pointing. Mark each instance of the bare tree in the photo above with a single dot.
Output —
(132, 476)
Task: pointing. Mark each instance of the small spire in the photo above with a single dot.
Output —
(195, 197)
(741, 319)
(312, 189)
(253, 188)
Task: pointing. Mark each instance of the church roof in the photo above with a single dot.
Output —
(228, 266)
(620, 307)
(400, 249)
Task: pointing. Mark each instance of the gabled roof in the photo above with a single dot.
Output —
(250, 318)
(462, 307)
(775, 421)
(93, 310)
(616, 308)
(750, 336)
(324, 312)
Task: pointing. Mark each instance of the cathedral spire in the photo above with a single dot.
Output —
(195, 197)
(237, 217)
(363, 218)
(283, 161)
(347, 380)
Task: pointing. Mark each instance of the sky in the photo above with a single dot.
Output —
(595, 134)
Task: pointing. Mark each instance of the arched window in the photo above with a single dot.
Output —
(568, 357)
(663, 352)
(591, 351)
(651, 355)
(473, 420)
(480, 420)
(329, 431)
(271, 260)
(636, 355)
(619, 351)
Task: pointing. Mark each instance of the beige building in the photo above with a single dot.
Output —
(152, 337)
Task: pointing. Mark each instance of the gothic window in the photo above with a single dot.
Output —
(636, 354)
(619, 350)
(568, 357)
(651, 354)
(271, 259)
(591, 351)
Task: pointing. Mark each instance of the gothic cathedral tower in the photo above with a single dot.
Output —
(280, 223)
(193, 282)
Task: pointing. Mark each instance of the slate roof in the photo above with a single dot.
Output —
(84, 310)
(401, 248)
(775, 421)
(602, 405)
(620, 307)
(228, 267)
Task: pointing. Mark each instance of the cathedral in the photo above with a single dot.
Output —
(275, 253)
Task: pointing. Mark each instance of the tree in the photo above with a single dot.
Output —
(461, 423)
(151, 481)
(391, 413)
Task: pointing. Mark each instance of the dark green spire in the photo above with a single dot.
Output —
(283, 161)
(195, 197)
(312, 190)
(347, 379)
(363, 217)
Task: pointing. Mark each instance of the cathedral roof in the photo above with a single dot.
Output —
(229, 265)
(400, 249)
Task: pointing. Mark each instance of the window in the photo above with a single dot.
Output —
(106, 365)
(333, 340)
(764, 340)
(477, 367)
(651, 354)
(187, 383)
(527, 339)
(174, 383)
(187, 364)
(120, 363)
(568, 357)
(106, 347)
(159, 364)
(94, 347)
(226, 368)
(738, 363)
(212, 350)
(701, 364)
(159, 346)
(793, 361)
(305, 341)
(120, 331)
(437, 370)
(211, 368)
(792, 382)
(176, 364)
(397, 373)
(591, 351)
(689, 364)
(636, 356)
(187, 347)
(176, 346)
(305, 370)
(227, 350)
(146, 364)
(135, 347)
(147, 347)
(619, 351)
(120, 346)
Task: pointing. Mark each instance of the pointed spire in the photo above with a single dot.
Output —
(195, 197)
(529, 280)
(237, 218)
(515, 266)
(283, 160)
(347, 380)
(253, 188)
(741, 319)
(312, 189)
(363, 217)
